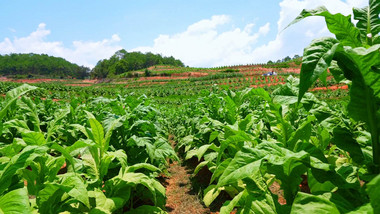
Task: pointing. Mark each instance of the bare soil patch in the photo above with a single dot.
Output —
(79, 84)
(160, 78)
(190, 74)
(180, 199)
(36, 80)
(334, 87)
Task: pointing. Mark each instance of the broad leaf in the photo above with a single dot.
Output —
(19, 161)
(368, 21)
(147, 209)
(338, 24)
(12, 96)
(97, 131)
(344, 139)
(373, 189)
(311, 204)
(316, 59)
(34, 138)
(15, 202)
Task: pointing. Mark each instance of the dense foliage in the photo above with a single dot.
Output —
(353, 55)
(324, 158)
(251, 141)
(34, 65)
(279, 151)
(123, 61)
(58, 157)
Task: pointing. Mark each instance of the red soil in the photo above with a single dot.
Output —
(334, 87)
(79, 84)
(269, 84)
(54, 100)
(190, 74)
(178, 187)
(37, 80)
(175, 76)
(276, 189)
(160, 78)
(179, 200)
(4, 79)
(90, 81)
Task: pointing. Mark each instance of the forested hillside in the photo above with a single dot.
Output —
(32, 65)
(123, 61)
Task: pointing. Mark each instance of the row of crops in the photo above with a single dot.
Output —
(58, 157)
(275, 150)
(251, 141)
(325, 158)
(108, 155)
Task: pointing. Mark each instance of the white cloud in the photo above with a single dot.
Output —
(203, 45)
(292, 40)
(82, 52)
(264, 30)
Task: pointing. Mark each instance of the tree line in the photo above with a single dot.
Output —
(123, 61)
(35, 65)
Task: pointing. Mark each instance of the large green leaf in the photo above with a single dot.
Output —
(210, 194)
(160, 151)
(58, 116)
(92, 166)
(318, 187)
(268, 157)
(368, 21)
(104, 205)
(345, 140)
(20, 161)
(228, 206)
(258, 204)
(15, 202)
(230, 109)
(303, 133)
(336, 71)
(220, 169)
(97, 131)
(34, 138)
(31, 110)
(244, 164)
(12, 96)
(75, 186)
(316, 59)
(373, 189)
(20, 125)
(364, 63)
(338, 24)
(110, 127)
(327, 203)
(65, 154)
(147, 209)
(129, 179)
(52, 198)
(360, 65)
(306, 203)
(139, 166)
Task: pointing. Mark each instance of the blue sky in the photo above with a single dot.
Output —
(201, 33)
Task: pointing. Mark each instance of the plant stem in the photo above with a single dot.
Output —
(373, 124)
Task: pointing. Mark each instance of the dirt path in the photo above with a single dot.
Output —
(180, 199)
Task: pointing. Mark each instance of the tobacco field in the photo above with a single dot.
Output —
(264, 145)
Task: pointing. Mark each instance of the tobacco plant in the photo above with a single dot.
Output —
(354, 55)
